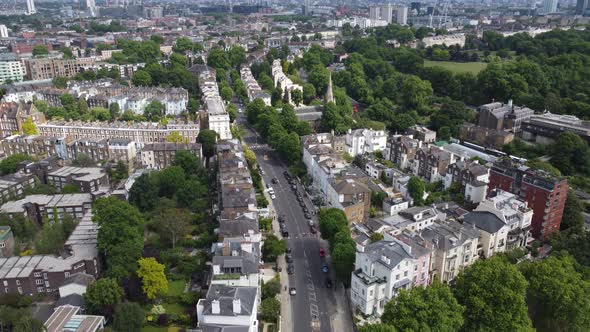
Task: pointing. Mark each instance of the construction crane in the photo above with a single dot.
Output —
(442, 15)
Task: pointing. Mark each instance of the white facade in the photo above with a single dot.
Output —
(72, 288)
(514, 212)
(401, 15)
(475, 192)
(361, 141)
(281, 80)
(229, 308)
(381, 270)
(3, 31)
(31, 7)
(449, 40)
(13, 70)
(549, 6)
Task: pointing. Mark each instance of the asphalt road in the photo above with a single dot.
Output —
(313, 298)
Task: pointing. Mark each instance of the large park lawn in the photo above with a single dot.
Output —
(458, 67)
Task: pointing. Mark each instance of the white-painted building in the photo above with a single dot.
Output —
(282, 81)
(3, 31)
(11, 68)
(382, 269)
(217, 117)
(362, 141)
(229, 307)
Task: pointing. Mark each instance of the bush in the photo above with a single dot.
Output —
(189, 298)
(162, 320)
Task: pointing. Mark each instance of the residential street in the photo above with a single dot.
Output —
(313, 299)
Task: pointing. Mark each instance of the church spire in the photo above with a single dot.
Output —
(329, 97)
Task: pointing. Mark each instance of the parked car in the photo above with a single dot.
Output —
(268, 186)
(285, 234)
(288, 250)
(305, 209)
(307, 215)
(325, 268)
(289, 258)
(290, 269)
(292, 291)
(328, 283)
(294, 187)
(299, 199)
(322, 252)
(275, 180)
(301, 203)
(286, 174)
(273, 196)
(310, 222)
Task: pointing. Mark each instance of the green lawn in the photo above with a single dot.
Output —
(175, 287)
(458, 67)
(173, 308)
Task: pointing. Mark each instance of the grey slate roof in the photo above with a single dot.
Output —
(246, 262)
(226, 294)
(392, 250)
(231, 228)
(484, 220)
(222, 328)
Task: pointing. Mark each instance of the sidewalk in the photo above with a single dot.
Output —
(285, 298)
(341, 321)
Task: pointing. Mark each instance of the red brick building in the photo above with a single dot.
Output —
(544, 193)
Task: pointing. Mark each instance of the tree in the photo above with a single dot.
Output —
(114, 111)
(226, 93)
(121, 172)
(444, 133)
(129, 317)
(120, 236)
(272, 248)
(152, 277)
(430, 308)
(416, 189)
(189, 162)
(172, 224)
(102, 296)
(157, 39)
(343, 256)
(309, 93)
(207, 138)
(331, 222)
(572, 220)
(8, 165)
(218, 59)
(270, 309)
(237, 56)
(60, 82)
(193, 105)
(377, 328)
(29, 127)
(319, 76)
(498, 308)
(296, 96)
(288, 147)
(175, 137)
(375, 237)
(144, 192)
(558, 296)
(141, 78)
(414, 92)
(170, 179)
(271, 289)
(232, 111)
(40, 50)
(570, 153)
(154, 111)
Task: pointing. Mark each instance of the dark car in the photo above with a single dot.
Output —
(288, 250)
(307, 215)
(281, 218)
(325, 268)
(283, 226)
(275, 180)
(285, 234)
(313, 229)
(286, 174)
(299, 199)
(301, 203)
(267, 185)
(294, 188)
(291, 181)
(328, 283)
(290, 269)
(289, 258)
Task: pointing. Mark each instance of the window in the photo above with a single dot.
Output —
(37, 274)
(44, 275)
(67, 274)
(371, 293)
(2, 245)
(17, 282)
(20, 290)
(40, 289)
(39, 282)
(397, 277)
(5, 283)
(405, 273)
(47, 284)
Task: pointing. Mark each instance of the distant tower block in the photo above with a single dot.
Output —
(31, 7)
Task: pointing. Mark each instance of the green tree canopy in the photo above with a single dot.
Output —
(431, 308)
(207, 138)
(416, 189)
(272, 248)
(498, 308)
(120, 236)
(102, 296)
(129, 316)
(153, 278)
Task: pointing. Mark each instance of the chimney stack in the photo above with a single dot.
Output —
(215, 308)
(237, 306)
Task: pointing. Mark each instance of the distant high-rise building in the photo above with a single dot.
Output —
(381, 12)
(3, 31)
(549, 6)
(401, 15)
(91, 5)
(416, 6)
(31, 7)
(582, 7)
